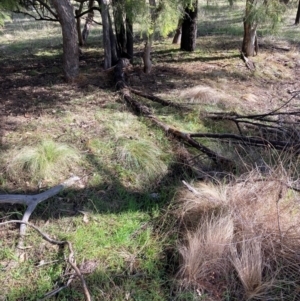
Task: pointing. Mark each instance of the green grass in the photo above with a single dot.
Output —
(45, 161)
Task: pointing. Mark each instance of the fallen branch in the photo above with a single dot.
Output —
(191, 188)
(159, 100)
(31, 201)
(254, 141)
(71, 258)
(145, 111)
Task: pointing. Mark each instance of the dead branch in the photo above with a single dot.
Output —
(145, 111)
(71, 259)
(191, 188)
(159, 100)
(31, 201)
(254, 141)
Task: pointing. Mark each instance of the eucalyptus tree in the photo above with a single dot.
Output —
(259, 12)
(64, 10)
(56, 10)
(189, 27)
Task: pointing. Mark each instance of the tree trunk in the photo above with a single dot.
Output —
(113, 43)
(177, 36)
(106, 33)
(88, 23)
(148, 44)
(65, 14)
(298, 14)
(189, 28)
(250, 45)
(147, 58)
(78, 24)
(129, 39)
(119, 12)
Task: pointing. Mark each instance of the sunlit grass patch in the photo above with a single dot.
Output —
(48, 160)
(141, 156)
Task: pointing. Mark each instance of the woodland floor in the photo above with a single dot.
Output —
(35, 102)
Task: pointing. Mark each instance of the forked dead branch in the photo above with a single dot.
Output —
(31, 201)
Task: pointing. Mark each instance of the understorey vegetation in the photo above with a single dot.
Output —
(174, 178)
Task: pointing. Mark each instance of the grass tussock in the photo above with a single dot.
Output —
(203, 94)
(242, 239)
(47, 160)
(142, 155)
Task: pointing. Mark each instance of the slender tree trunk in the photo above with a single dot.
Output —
(189, 28)
(113, 43)
(250, 44)
(147, 58)
(177, 36)
(88, 22)
(298, 14)
(65, 14)
(106, 34)
(148, 44)
(129, 38)
(119, 12)
(78, 24)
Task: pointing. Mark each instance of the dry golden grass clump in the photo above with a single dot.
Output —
(204, 94)
(241, 241)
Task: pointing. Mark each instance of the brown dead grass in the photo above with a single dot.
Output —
(246, 234)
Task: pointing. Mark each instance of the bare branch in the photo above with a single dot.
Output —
(31, 201)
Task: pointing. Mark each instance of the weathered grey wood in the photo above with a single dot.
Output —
(31, 201)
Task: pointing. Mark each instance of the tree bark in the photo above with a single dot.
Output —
(147, 58)
(177, 36)
(129, 39)
(148, 44)
(78, 24)
(250, 44)
(298, 14)
(106, 33)
(189, 28)
(113, 43)
(88, 23)
(120, 29)
(65, 14)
